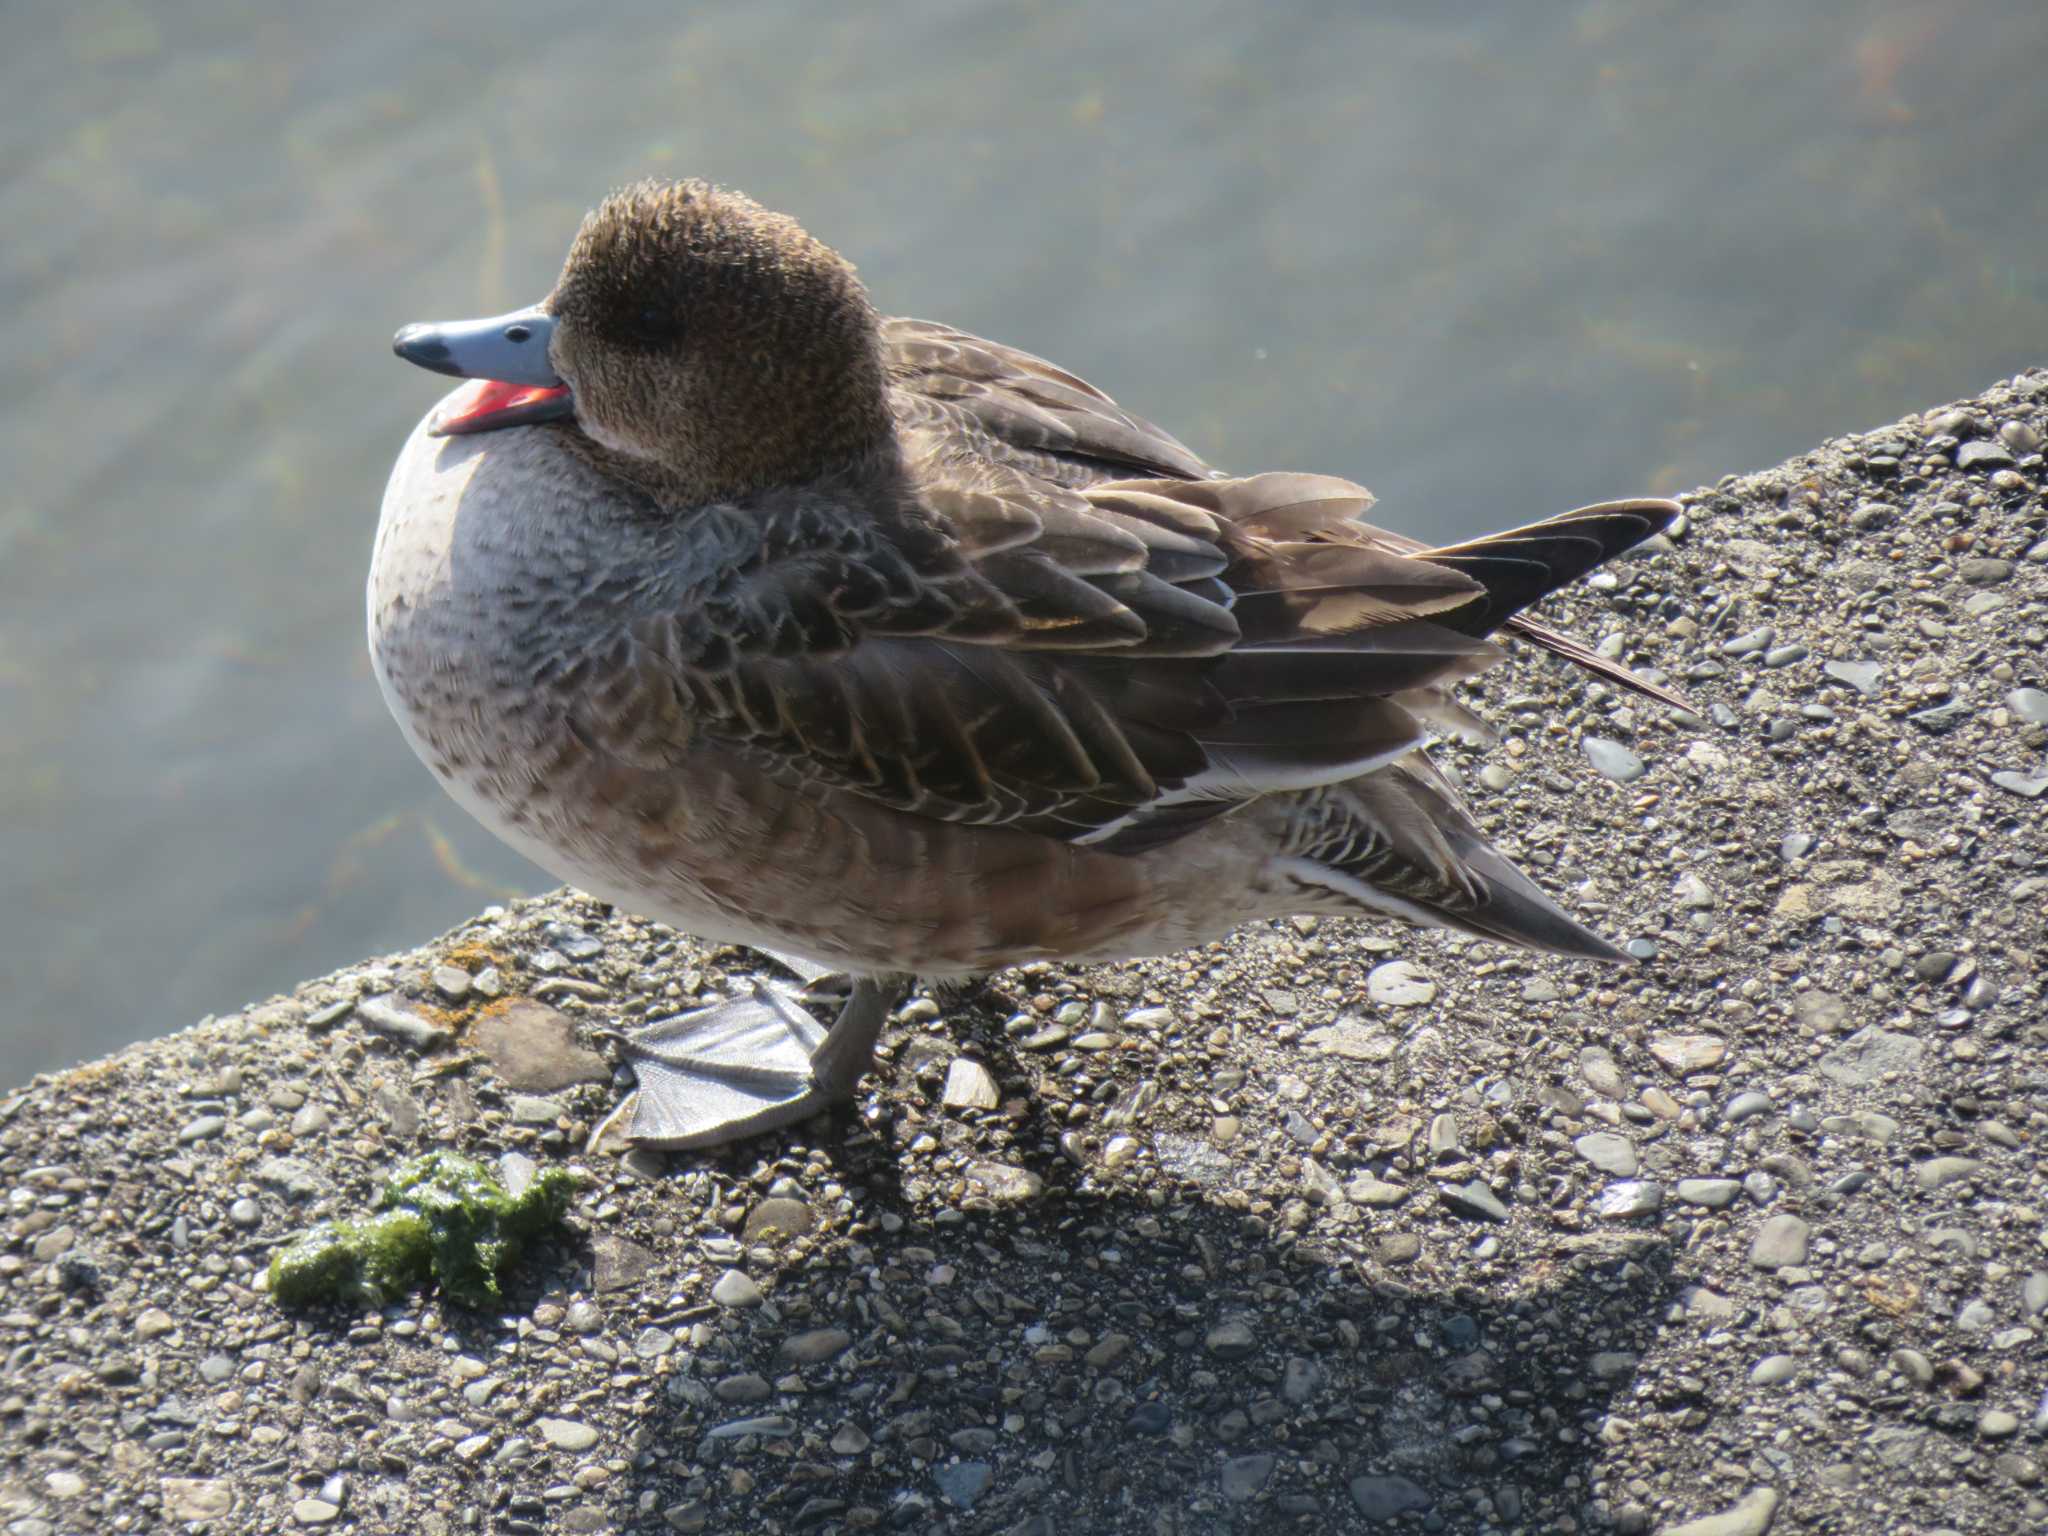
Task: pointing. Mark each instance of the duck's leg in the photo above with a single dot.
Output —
(760, 1061)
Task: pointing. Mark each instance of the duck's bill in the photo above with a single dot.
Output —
(507, 355)
(494, 404)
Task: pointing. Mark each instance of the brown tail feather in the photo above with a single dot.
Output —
(1558, 643)
(1524, 565)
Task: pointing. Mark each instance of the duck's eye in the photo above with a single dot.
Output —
(654, 318)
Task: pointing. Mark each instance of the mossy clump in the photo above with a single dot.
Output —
(440, 1217)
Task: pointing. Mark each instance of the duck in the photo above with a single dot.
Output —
(899, 654)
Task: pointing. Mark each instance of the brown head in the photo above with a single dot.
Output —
(698, 334)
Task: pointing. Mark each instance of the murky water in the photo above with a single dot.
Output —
(1494, 260)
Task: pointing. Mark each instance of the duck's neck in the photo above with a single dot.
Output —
(871, 471)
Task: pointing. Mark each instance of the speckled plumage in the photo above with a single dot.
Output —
(1004, 673)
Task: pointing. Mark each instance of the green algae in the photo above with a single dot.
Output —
(441, 1217)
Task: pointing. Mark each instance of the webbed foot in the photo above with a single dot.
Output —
(750, 1064)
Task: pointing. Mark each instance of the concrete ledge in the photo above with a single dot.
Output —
(1750, 1237)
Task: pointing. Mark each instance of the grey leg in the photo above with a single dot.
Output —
(737, 1068)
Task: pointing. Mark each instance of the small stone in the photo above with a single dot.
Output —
(533, 1109)
(315, 1511)
(1867, 1056)
(1398, 1247)
(1914, 1366)
(1443, 1134)
(1714, 1194)
(1935, 965)
(1231, 1340)
(814, 1346)
(617, 1264)
(1302, 1379)
(736, 1289)
(1784, 655)
(1631, 1198)
(1473, 1200)
(204, 1128)
(1612, 1154)
(777, 1219)
(743, 1387)
(153, 1322)
(1937, 1171)
(1596, 1066)
(1688, 1053)
(1780, 1242)
(969, 1085)
(849, 1439)
(1612, 759)
(1367, 1190)
(651, 1343)
(1747, 1106)
(2028, 788)
(197, 1498)
(2034, 1293)
(386, 1015)
(1352, 1040)
(1381, 1499)
(1004, 1184)
(452, 982)
(1863, 676)
(1243, 1476)
(1399, 984)
(1998, 1424)
(1984, 453)
(311, 1121)
(1694, 894)
(2030, 704)
(963, 1482)
(533, 1048)
(1751, 1515)
(571, 1435)
(1772, 1369)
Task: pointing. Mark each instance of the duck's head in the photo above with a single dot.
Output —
(691, 330)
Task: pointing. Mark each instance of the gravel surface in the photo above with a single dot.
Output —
(1322, 1228)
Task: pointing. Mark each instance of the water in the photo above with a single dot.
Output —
(1493, 260)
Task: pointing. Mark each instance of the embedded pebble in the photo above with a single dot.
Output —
(1937, 1171)
(736, 1289)
(1861, 675)
(1399, 984)
(2027, 786)
(1384, 1498)
(969, 1085)
(1686, 1054)
(1631, 1198)
(1612, 759)
(1780, 1242)
(1473, 1199)
(2030, 704)
(386, 1015)
(1611, 1153)
(1715, 1194)
(570, 1435)
(1751, 1515)
(964, 1482)
(1772, 1369)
